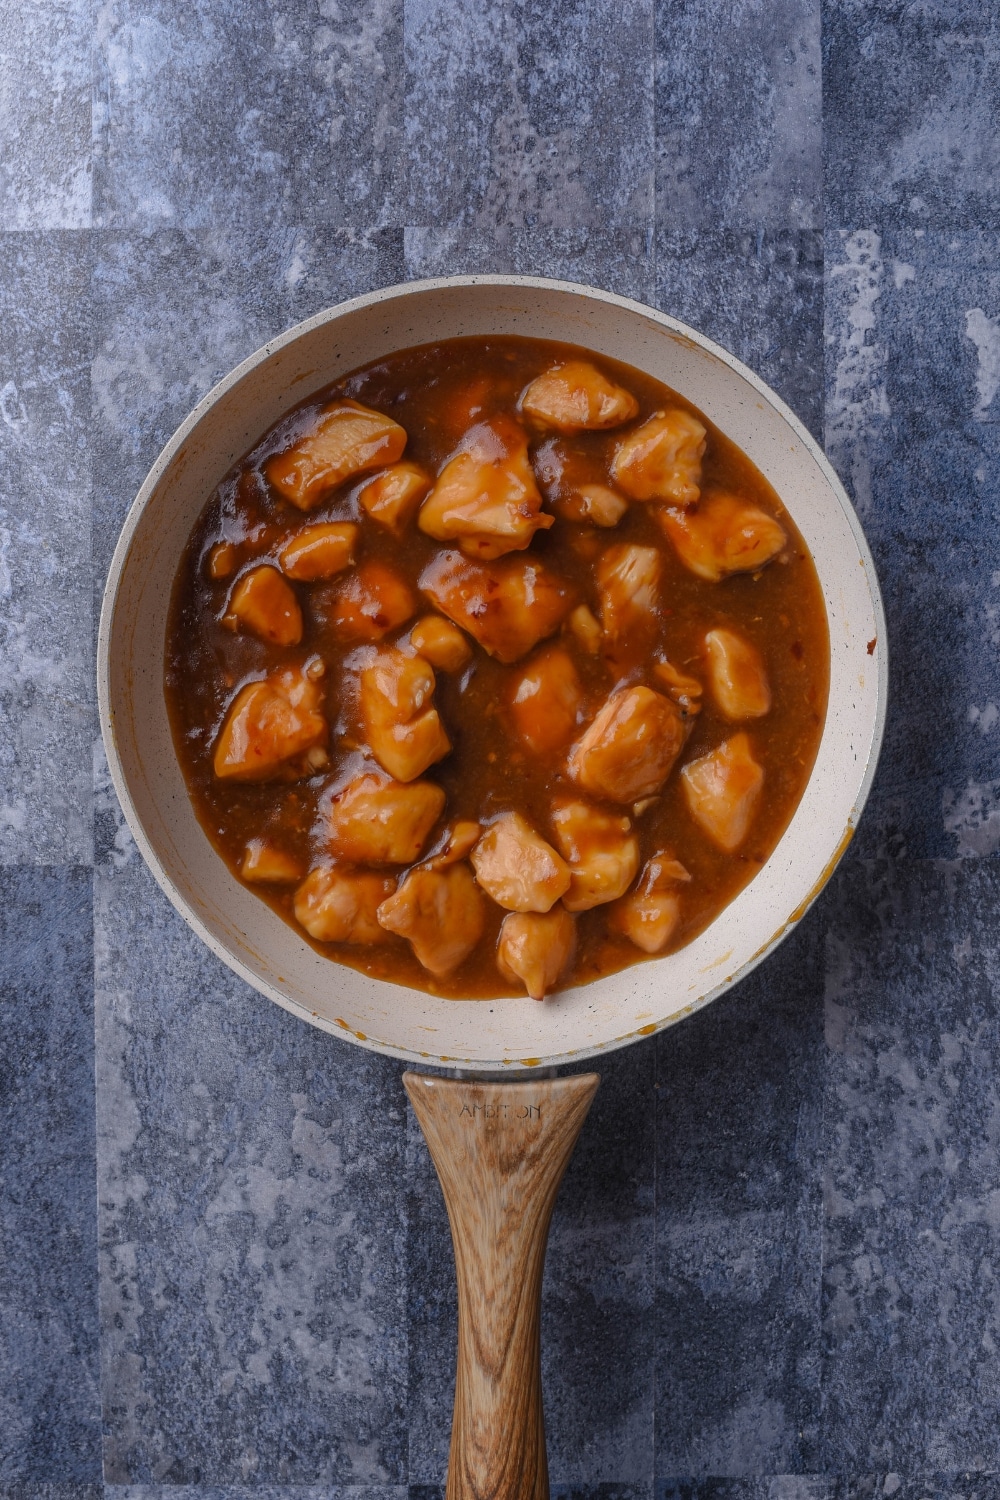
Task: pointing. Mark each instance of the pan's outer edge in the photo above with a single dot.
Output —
(386, 295)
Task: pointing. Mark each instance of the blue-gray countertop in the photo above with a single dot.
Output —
(775, 1268)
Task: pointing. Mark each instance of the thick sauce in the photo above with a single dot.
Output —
(503, 756)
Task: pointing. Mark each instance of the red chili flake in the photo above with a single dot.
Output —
(872, 644)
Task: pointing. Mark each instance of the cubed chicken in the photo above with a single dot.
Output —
(583, 625)
(736, 673)
(684, 689)
(661, 460)
(374, 821)
(441, 913)
(594, 504)
(486, 497)
(319, 551)
(629, 749)
(456, 843)
(576, 395)
(371, 601)
(346, 439)
(401, 724)
(263, 603)
(722, 790)
(546, 700)
(647, 921)
(274, 728)
(339, 906)
(223, 560)
(649, 916)
(441, 643)
(535, 948)
(265, 864)
(628, 584)
(508, 607)
(601, 850)
(516, 866)
(724, 535)
(393, 497)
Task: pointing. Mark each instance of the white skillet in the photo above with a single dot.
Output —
(511, 1034)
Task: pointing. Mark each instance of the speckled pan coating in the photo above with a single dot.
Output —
(252, 939)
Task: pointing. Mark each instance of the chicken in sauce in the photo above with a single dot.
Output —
(496, 667)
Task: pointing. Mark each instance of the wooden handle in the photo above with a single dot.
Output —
(500, 1150)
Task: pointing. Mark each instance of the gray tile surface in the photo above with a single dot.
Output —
(738, 115)
(911, 1313)
(738, 1224)
(251, 1221)
(50, 1419)
(207, 116)
(45, 114)
(913, 374)
(46, 666)
(912, 113)
(527, 115)
(253, 1491)
(774, 1263)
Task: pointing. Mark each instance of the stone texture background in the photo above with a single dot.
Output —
(775, 1268)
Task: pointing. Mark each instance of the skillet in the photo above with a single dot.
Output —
(500, 1146)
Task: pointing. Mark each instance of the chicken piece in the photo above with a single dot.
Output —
(458, 841)
(369, 603)
(575, 396)
(346, 439)
(392, 498)
(515, 866)
(629, 750)
(585, 628)
(401, 724)
(628, 582)
(375, 821)
(546, 700)
(486, 497)
(594, 504)
(648, 917)
(602, 853)
(722, 790)
(535, 948)
(339, 906)
(736, 673)
(266, 605)
(647, 921)
(661, 460)
(319, 551)
(724, 535)
(440, 912)
(685, 690)
(508, 607)
(271, 729)
(441, 643)
(223, 560)
(263, 864)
